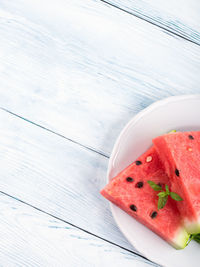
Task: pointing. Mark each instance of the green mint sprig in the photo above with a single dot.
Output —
(195, 237)
(163, 195)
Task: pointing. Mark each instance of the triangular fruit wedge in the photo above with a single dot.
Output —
(180, 154)
(130, 191)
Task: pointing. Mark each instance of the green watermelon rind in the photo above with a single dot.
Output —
(181, 239)
(192, 227)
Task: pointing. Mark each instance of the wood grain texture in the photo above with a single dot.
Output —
(56, 176)
(179, 17)
(83, 69)
(30, 238)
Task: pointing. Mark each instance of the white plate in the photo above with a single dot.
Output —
(180, 113)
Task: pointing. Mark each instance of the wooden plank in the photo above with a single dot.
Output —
(179, 17)
(83, 70)
(56, 176)
(31, 238)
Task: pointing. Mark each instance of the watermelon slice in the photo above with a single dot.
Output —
(180, 153)
(130, 191)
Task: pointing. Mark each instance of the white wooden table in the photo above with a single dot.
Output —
(72, 74)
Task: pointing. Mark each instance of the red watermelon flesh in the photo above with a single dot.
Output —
(180, 154)
(130, 191)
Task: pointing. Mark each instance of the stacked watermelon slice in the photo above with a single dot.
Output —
(171, 166)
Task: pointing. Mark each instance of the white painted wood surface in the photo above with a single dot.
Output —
(55, 175)
(83, 70)
(180, 17)
(31, 238)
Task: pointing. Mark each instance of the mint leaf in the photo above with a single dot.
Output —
(175, 196)
(162, 194)
(195, 237)
(154, 186)
(162, 202)
(167, 189)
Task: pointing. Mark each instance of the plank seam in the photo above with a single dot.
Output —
(53, 132)
(75, 226)
(145, 18)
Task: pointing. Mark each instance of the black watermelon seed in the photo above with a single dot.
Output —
(139, 185)
(190, 137)
(138, 162)
(133, 207)
(129, 179)
(154, 214)
(177, 172)
(159, 184)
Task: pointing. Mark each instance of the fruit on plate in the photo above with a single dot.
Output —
(131, 191)
(180, 154)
